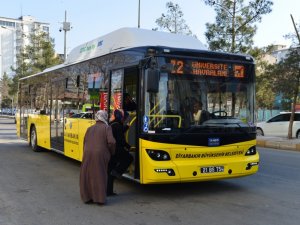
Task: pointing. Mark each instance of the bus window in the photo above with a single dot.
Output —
(116, 90)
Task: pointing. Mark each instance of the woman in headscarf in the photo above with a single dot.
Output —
(99, 146)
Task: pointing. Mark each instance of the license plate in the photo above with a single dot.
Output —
(212, 169)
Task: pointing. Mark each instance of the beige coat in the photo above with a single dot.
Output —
(99, 145)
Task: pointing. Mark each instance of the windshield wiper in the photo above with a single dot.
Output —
(193, 127)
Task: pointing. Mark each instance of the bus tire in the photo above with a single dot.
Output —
(33, 140)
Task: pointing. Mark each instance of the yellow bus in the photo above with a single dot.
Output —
(166, 75)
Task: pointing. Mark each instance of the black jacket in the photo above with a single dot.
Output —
(118, 133)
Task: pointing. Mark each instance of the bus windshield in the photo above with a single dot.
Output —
(202, 95)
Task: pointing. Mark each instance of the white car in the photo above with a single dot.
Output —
(83, 115)
(279, 125)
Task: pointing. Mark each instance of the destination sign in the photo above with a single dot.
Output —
(204, 68)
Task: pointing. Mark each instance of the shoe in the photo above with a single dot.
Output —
(112, 194)
(114, 173)
(89, 202)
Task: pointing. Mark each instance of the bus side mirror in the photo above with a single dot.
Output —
(152, 80)
(167, 68)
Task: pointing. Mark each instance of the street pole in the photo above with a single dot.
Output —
(65, 37)
(139, 13)
(66, 27)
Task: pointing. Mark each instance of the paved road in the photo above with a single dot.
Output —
(42, 189)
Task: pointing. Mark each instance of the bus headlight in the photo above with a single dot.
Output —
(158, 155)
(251, 151)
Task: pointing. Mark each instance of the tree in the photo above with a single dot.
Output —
(34, 58)
(4, 85)
(286, 80)
(289, 72)
(173, 21)
(235, 27)
(265, 94)
(22, 70)
(41, 52)
(4, 88)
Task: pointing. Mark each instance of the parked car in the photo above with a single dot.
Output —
(83, 115)
(279, 125)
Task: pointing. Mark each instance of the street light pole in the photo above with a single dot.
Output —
(66, 27)
(139, 13)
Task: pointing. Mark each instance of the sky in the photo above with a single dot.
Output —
(94, 18)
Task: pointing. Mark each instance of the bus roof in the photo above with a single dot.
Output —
(126, 38)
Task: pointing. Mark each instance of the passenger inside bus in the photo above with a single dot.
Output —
(129, 103)
(199, 115)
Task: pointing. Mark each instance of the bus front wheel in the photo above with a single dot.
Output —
(33, 140)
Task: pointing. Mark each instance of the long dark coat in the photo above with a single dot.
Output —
(99, 145)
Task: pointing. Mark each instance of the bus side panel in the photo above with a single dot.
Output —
(186, 162)
(71, 137)
(74, 131)
(42, 126)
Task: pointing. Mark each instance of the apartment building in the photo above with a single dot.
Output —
(14, 35)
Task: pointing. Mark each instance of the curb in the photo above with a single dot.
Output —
(281, 144)
(7, 116)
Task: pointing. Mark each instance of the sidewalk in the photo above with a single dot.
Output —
(278, 143)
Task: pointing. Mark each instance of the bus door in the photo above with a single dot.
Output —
(57, 115)
(124, 85)
(130, 94)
